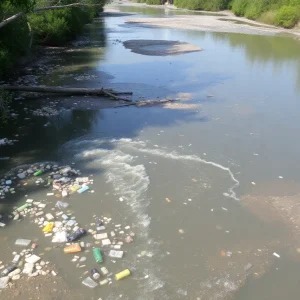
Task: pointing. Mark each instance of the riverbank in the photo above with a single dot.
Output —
(224, 21)
(283, 13)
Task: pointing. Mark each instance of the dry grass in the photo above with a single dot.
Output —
(268, 17)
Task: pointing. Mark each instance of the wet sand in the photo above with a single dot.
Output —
(160, 47)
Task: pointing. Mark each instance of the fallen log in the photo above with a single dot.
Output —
(147, 103)
(70, 91)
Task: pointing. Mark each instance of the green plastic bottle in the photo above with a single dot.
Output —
(39, 172)
(97, 255)
(21, 208)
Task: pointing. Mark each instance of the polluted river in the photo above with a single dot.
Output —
(196, 198)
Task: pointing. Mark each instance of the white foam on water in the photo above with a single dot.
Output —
(175, 156)
(129, 181)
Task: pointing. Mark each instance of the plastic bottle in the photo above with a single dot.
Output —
(8, 270)
(83, 189)
(37, 173)
(97, 255)
(95, 274)
(72, 248)
(22, 207)
(122, 274)
(76, 235)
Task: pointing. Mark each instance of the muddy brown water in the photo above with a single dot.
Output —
(227, 159)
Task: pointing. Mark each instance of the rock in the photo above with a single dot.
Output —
(38, 267)
(3, 282)
(16, 277)
(21, 175)
(53, 273)
(33, 274)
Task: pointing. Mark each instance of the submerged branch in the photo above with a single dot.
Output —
(70, 91)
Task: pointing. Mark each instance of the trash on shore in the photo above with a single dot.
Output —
(59, 224)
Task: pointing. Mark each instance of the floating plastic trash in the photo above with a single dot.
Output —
(122, 274)
(97, 255)
(83, 189)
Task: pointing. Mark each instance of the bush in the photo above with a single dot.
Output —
(287, 16)
(254, 9)
(153, 2)
(239, 7)
(210, 5)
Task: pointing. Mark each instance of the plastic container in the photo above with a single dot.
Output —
(64, 193)
(83, 189)
(76, 235)
(104, 271)
(97, 255)
(105, 281)
(75, 188)
(95, 274)
(72, 248)
(48, 227)
(22, 242)
(61, 204)
(89, 282)
(23, 207)
(37, 173)
(122, 274)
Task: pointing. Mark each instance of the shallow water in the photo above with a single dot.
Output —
(242, 128)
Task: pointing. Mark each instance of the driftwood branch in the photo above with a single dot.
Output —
(70, 91)
(39, 9)
(147, 103)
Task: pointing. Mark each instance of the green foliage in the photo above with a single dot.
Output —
(209, 5)
(287, 16)
(14, 38)
(153, 2)
(52, 27)
(239, 7)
